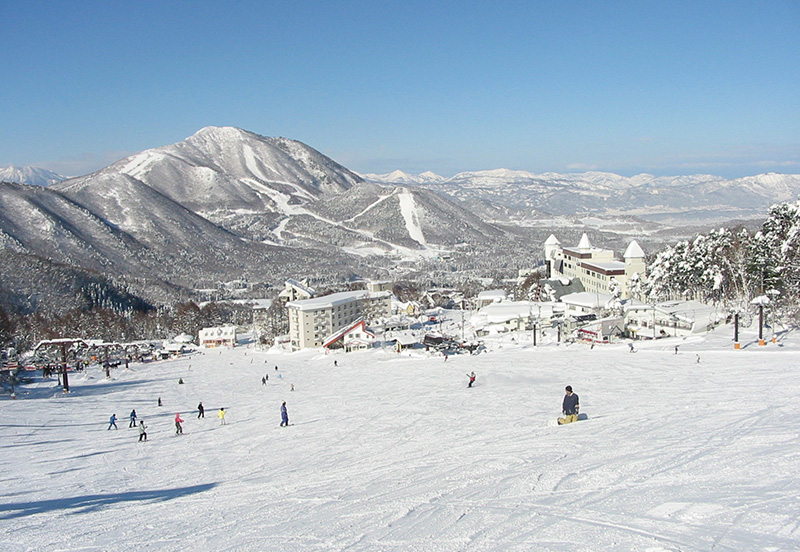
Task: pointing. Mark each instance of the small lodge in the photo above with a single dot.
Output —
(219, 336)
(354, 337)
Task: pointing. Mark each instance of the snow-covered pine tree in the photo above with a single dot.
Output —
(774, 259)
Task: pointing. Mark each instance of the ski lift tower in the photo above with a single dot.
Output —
(63, 344)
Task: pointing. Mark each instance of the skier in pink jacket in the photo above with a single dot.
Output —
(178, 422)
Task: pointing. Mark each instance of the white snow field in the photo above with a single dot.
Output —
(392, 452)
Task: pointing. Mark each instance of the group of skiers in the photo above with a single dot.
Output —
(201, 413)
(112, 422)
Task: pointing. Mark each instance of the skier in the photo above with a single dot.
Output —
(569, 407)
(142, 432)
(159, 401)
(201, 412)
(178, 422)
(284, 415)
(133, 419)
(632, 350)
(221, 416)
(112, 422)
(336, 363)
(471, 379)
(676, 349)
(263, 381)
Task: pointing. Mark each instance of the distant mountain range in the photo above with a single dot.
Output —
(671, 200)
(229, 204)
(29, 175)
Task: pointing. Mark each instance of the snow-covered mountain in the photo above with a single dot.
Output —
(268, 190)
(675, 200)
(227, 203)
(226, 169)
(400, 177)
(29, 175)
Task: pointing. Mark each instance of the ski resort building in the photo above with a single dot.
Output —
(670, 319)
(353, 337)
(312, 322)
(221, 336)
(489, 296)
(587, 302)
(597, 269)
(510, 316)
(296, 290)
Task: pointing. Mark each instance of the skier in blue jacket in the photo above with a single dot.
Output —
(112, 422)
(284, 415)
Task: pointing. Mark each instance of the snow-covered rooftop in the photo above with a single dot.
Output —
(301, 286)
(634, 250)
(334, 299)
(587, 299)
(491, 294)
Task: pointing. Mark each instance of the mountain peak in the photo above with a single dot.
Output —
(216, 132)
(33, 176)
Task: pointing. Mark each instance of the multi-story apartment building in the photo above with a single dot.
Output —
(596, 268)
(311, 321)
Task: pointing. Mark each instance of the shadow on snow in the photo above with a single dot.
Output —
(90, 503)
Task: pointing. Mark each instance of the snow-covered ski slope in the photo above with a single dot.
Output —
(391, 452)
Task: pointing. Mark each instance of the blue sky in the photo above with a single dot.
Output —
(627, 87)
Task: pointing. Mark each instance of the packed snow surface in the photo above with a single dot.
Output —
(687, 451)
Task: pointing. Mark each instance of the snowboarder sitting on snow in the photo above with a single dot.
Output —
(471, 379)
(178, 422)
(284, 415)
(569, 407)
